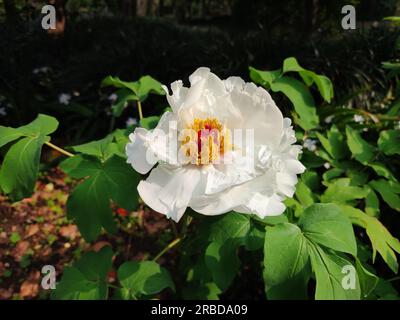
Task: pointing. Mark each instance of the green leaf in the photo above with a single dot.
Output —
(20, 167)
(21, 163)
(15, 237)
(304, 194)
(311, 179)
(273, 220)
(86, 279)
(293, 204)
(149, 122)
(301, 99)
(323, 83)
(201, 291)
(122, 294)
(381, 239)
(286, 262)
(144, 278)
(368, 280)
(311, 160)
(371, 203)
(112, 144)
(222, 261)
(141, 88)
(357, 177)
(264, 78)
(102, 149)
(255, 238)
(361, 149)
(124, 95)
(148, 85)
(42, 125)
(385, 290)
(334, 143)
(288, 250)
(89, 203)
(332, 174)
(383, 242)
(389, 142)
(8, 134)
(393, 19)
(324, 224)
(328, 268)
(389, 191)
(118, 83)
(340, 191)
(382, 171)
(394, 108)
(80, 166)
(230, 226)
(291, 65)
(226, 234)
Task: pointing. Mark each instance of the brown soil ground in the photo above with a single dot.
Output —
(36, 232)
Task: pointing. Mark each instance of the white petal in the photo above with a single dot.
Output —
(200, 74)
(234, 83)
(169, 191)
(263, 206)
(148, 147)
(205, 88)
(294, 166)
(137, 150)
(178, 96)
(235, 198)
(223, 176)
(259, 113)
(286, 183)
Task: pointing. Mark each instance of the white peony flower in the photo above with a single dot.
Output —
(225, 146)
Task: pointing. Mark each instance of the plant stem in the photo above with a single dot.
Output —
(64, 152)
(394, 279)
(187, 222)
(377, 117)
(113, 286)
(174, 229)
(139, 105)
(167, 248)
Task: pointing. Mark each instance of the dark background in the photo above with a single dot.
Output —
(169, 40)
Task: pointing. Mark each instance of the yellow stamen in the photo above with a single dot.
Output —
(205, 141)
